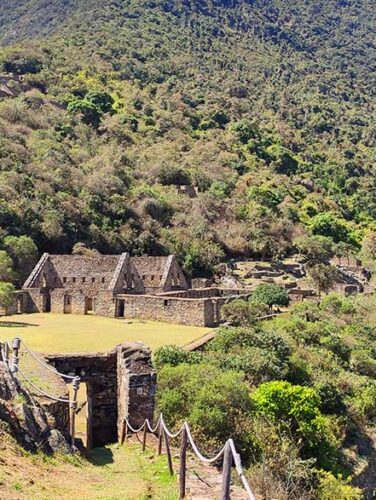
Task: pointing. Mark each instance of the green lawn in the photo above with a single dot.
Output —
(59, 333)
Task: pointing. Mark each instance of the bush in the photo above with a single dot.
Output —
(6, 294)
(170, 174)
(336, 488)
(238, 338)
(270, 294)
(215, 403)
(173, 355)
(297, 408)
(242, 313)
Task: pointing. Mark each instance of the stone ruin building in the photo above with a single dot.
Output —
(121, 286)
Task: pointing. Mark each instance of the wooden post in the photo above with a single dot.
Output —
(144, 437)
(16, 344)
(226, 473)
(160, 439)
(124, 430)
(73, 408)
(183, 463)
(168, 452)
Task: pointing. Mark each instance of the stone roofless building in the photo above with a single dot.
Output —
(152, 288)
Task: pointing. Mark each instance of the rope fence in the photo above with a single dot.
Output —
(10, 353)
(227, 454)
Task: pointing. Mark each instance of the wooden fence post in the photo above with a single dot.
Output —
(183, 463)
(73, 408)
(144, 436)
(124, 430)
(168, 452)
(226, 472)
(16, 344)
(160, 438)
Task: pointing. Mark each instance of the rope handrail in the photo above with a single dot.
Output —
(41, 391)
(185, 427)
(45, 365)
(14, 369)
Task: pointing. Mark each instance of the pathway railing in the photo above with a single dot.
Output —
(227, 454)
(10, 353)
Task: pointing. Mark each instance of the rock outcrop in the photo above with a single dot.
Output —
(25, 419)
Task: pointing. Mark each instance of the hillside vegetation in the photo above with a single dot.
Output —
(266, 107)
(297, 394)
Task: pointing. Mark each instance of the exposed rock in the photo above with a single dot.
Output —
(25, 420)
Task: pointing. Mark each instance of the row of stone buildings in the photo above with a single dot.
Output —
(150, 288)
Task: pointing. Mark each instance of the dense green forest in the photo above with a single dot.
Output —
(266, 107)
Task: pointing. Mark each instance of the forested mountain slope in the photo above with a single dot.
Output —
(267, 107)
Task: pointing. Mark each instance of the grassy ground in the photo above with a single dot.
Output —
(111, 473)
(55, 333)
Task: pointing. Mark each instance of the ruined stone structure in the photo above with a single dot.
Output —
(120, 383)
(152, 288)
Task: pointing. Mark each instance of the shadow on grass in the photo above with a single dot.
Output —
(101, 456)
(15, 324)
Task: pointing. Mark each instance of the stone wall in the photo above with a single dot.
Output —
(168, 309)
(172, 309)
(119, 383)
(136, 385)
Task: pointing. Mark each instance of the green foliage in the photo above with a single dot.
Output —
(270, 294)
(242, 313)
(6, 266)
(316, 248)
(298, 407)
(102, 115)
(6, 294)
(173, 355)
(210, 399)
(323, 276)
(336, 488)
(91, 106)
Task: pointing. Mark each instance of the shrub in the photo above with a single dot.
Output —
(170, 174)
(336, 488)
(238, 338)
(6, 294)
(297, 408)
(215, 403)
(173, 355)
(270, 294)
(242, 313)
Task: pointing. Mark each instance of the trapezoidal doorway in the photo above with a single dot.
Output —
(67, 304)
(88, 305)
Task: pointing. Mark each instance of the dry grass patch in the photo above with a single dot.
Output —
(59, 333)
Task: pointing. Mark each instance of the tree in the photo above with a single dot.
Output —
(328, 224)
(270, 294)
(23, 252)
(323, 276)
(6, 270)
(6, 294)
(368, 251)
(317, 249)
(242, 313)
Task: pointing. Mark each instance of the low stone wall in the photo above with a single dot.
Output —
(210, 292)
(197, 312)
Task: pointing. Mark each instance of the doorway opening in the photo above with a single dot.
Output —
(88, 305)
(67, 304)
(46, 305)
(120, 308)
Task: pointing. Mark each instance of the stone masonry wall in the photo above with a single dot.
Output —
(119, 383)
(136, 384)
(172, 310)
